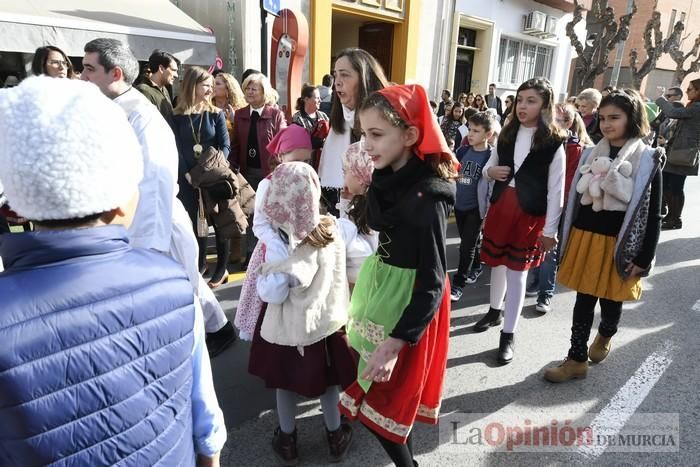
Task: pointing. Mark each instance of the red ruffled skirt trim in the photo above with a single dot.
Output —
(511, 235)
(414, 392)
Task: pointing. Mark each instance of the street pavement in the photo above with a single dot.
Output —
(652, 370)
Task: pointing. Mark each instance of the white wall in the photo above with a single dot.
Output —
(508, 16)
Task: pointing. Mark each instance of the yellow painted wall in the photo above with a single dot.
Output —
(406, 37)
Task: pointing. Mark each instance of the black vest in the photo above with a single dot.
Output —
(531, 179)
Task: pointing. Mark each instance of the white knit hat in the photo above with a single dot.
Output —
(66, 150)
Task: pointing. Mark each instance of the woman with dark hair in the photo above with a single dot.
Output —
(510, 100)
(312, 119)
(480, 103)
(357, 74)
(683, 151)
(52, 61)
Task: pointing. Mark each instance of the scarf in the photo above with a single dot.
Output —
(387, 189)
(357, 162)
(292, 201)
(330, 169)
(618, 183)
(411, 103)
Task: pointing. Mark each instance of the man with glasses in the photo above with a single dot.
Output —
(662, 125)
(164, 67)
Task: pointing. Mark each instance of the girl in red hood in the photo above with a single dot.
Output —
(400, 307)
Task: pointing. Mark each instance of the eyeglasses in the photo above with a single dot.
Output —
(57, 63)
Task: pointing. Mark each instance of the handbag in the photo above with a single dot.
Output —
(684, 157)
(202, 227)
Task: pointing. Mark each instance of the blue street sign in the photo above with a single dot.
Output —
(272, 6)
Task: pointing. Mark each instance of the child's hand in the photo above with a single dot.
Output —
(547, 243)
(633, 270)
(499, 172)
(382, 361)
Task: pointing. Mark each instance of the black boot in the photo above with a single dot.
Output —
(202, 243)
(505, 348)
(492, 318)
(223, 250)
(220, 340)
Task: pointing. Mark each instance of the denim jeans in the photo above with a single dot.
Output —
(545, 276)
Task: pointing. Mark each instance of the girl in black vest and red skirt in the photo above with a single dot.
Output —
(527, 166)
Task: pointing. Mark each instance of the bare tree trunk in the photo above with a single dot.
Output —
(602, 35)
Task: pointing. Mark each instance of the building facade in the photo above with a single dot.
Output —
(508, 42)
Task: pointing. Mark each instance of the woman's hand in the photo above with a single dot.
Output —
(188, 177)
(499, 172)
(229, 112)
(382, 361)
(547, 244)
(660, 91)
(633, 270)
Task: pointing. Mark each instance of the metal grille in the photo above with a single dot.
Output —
(519, 61)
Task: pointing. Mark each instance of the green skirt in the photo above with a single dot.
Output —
(381, 294)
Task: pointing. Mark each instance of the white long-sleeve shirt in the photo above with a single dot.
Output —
(555, 182)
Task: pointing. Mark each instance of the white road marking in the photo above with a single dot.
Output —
(622, 406)
(696, 307)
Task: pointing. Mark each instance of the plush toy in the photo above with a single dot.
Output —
(618, 187)
(589, 185)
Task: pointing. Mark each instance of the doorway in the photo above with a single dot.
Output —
(377, 39)
(463, 71)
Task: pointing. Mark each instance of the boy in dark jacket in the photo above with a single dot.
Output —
(469, 207)
(102, 357)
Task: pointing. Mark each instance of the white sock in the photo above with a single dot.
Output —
(498, 287)
(515, 298)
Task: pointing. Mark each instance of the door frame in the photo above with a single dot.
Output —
(485, 30)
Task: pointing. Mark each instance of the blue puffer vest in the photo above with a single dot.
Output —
(95, 352)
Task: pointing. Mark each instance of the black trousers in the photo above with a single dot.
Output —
(610, 312)
(4, 226)
(674, 183)
(469, 227)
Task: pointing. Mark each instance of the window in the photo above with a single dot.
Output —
(467, 37)
(672, 22)
(519, 61)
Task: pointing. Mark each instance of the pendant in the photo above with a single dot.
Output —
(252, 153)
(197, 148)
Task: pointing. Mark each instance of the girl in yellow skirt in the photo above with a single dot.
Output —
(610, 234)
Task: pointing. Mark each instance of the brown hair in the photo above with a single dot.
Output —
(41, 56)
(547, 129)
(630, 102)
(323, 234)
(696, 84)
(372, 78)
(442, 168)
(358, 213)
(483, 106)
(185, 100)
(307, 91)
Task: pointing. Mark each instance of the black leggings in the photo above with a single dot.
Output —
(401, 454)
(674, 183)
(610, 312)
(468, 226)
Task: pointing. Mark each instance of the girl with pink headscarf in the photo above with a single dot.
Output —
(299, 344)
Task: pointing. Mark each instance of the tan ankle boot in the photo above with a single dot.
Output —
(569, 369)
(599, 349)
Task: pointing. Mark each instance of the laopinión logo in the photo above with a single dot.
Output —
(539, 432)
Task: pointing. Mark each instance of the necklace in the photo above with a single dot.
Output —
(197, 148)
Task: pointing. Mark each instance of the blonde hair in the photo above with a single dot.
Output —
(323, 234)
(578, 127)
(186, 97)
(269, 93)
(234, 93)
(591, 95)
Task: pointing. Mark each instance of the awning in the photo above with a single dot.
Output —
(145, 25)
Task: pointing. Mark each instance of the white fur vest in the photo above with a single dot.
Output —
(315, 308)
